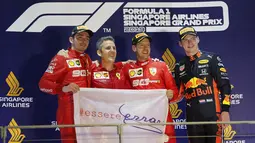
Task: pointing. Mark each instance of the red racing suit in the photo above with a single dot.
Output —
(153, 75)
(114, 79)
(60, 72)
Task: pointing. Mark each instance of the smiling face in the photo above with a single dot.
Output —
(190, 44)
(108, 51)
(80, 41)
(142, 49)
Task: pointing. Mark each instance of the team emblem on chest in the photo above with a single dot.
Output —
(182, 67)
(118, 75)
(153, 71)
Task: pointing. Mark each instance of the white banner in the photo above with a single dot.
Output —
(107, 106)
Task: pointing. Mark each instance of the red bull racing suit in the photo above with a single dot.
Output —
(60, 72)
(114, 79)
(153, 75)
(201, 77)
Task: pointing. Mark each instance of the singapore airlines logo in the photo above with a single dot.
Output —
(174, 110)
(169, 59)
(229, 133)
(13, 83)
(16, 136)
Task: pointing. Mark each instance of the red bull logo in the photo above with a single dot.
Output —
(195, 82)
(197, 91)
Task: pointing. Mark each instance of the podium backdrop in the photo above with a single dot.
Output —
(32, 32)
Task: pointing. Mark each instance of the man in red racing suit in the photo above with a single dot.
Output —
(149, 74)
(64, 76)
(108, 74)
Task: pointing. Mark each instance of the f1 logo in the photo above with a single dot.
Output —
(41, 15)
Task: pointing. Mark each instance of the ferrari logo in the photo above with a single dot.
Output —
(118, 75)
(153, 71)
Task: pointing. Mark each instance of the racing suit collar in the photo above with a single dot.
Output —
(74, 53)
(102, 68)
(139, 63)
(193, 57)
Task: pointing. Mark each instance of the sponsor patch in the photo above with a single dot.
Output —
(226, 100)
(51, 66)
(77, 73)
(135, 72)
(203, 66)
(220, 65)
(203, 61)
(204, 72)
(141, 82)
(101, 75)
(73, 63)
(202, 101)
(50, 69)
(223, 70)
(154, 81)
(218, 58)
